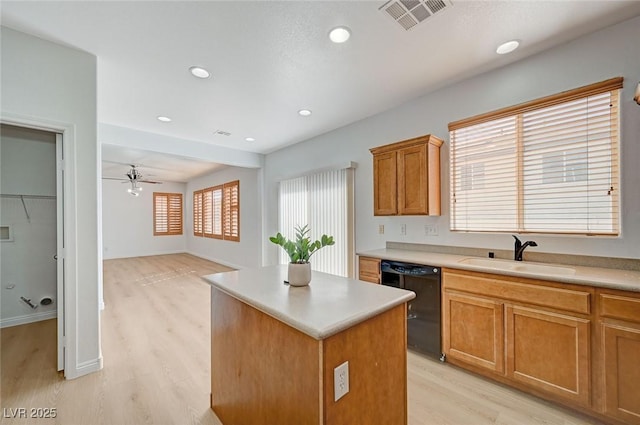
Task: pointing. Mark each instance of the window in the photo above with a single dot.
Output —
(231, 211)
(167, 214)
(324, 201)
(220, 212)
(547, 166)
(197, 213)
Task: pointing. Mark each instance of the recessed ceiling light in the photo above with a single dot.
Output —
(507, 47)
(304, 112)
(198, 72)
(339, 34)
(250, 139)
(164, 119)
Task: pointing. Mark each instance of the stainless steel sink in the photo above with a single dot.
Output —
(519, 266)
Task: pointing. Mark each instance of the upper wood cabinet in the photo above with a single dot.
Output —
(406, 177)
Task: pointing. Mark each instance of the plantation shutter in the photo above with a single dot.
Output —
(160, 214)
(167, 214)
(217, 211)
(550, 165)
(197, 213)
(231, 211)
(207, 217)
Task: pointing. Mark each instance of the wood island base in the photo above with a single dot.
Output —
(264, 371)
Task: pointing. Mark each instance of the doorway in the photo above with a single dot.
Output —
(31, 183)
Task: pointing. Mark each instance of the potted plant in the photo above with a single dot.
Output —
(300, 251)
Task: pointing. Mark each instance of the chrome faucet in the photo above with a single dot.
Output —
(519, 248)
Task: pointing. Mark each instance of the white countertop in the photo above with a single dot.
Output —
(329, 305)
(625, 280)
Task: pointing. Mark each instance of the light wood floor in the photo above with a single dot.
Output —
(155, 344)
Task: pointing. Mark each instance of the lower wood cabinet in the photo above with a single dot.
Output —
(573, 344)
(529, 333)
(549, 351)
(369, 269)
(473, 330)
(619, 319)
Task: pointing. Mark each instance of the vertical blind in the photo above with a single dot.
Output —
(324, 201)
(549, 165)
(167, 214)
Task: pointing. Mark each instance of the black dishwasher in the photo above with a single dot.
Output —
(423, 312)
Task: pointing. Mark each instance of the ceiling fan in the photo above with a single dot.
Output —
(134, 177)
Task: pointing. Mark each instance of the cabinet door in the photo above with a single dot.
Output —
(412, 181)
(621, 349)
(385, 189)
(369, 269)
(473, 330)
(549, 352)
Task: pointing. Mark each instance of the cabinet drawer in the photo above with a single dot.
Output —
(620, 307)
(534, 292)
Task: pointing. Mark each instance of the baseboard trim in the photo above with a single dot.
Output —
(116, 257)
(28, 318)
(216, 260)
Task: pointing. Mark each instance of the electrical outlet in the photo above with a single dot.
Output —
(431, 230)
(341, 380)
(381, 229)
(403, 229)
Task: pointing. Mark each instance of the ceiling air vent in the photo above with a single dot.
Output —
(222, 133)
(409, 13)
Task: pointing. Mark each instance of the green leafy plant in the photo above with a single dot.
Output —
(301, 250)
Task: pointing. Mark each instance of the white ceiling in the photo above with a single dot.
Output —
(117, 161)
(269, 59)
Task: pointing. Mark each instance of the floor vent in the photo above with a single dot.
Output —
(409, 13)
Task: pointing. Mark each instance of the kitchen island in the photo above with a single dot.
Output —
(275, 348)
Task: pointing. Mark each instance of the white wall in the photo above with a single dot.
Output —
(28, 167)
(608, 53)
(127, 221)
(55, 86)
(247, 252)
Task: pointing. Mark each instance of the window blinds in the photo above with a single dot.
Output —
(167, 214)
(207, 218)
(219, 212)
(231, 211)
(547, 166)
(197, 213)
(324, 201)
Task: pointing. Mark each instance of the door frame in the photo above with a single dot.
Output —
(66, 239)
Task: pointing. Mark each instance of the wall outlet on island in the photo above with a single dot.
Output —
(431, 230)
(381, 229)
(403, 229)
(341, 380)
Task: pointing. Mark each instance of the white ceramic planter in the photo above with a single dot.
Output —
(299, 274)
